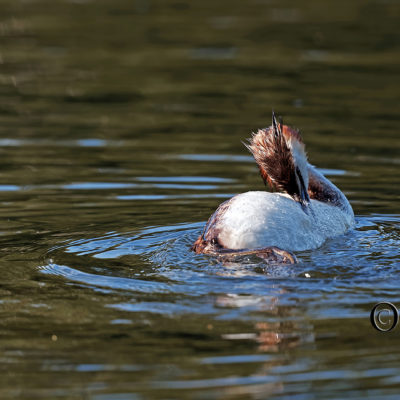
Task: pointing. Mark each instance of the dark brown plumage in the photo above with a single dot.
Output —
(321, 189)
(208, 241)
(272, 153)
(280, 155)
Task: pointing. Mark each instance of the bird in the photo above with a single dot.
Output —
(303, 211)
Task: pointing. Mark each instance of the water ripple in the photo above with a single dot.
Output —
(158, 260)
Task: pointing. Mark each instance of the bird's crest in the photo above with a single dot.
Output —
(280, 155)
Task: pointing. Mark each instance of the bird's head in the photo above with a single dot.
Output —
(280, 154)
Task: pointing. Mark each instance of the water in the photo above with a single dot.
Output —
(120, 132)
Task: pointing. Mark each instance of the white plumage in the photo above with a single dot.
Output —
(309, 210)
(262, 219)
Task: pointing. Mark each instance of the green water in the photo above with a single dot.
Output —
(120, 132)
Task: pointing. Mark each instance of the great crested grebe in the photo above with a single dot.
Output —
(308, 210)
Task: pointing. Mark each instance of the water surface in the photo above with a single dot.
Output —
(120, 132)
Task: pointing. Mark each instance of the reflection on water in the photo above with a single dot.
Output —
(309, 306)
(121, 127)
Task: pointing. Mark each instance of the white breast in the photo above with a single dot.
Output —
(263, 219)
